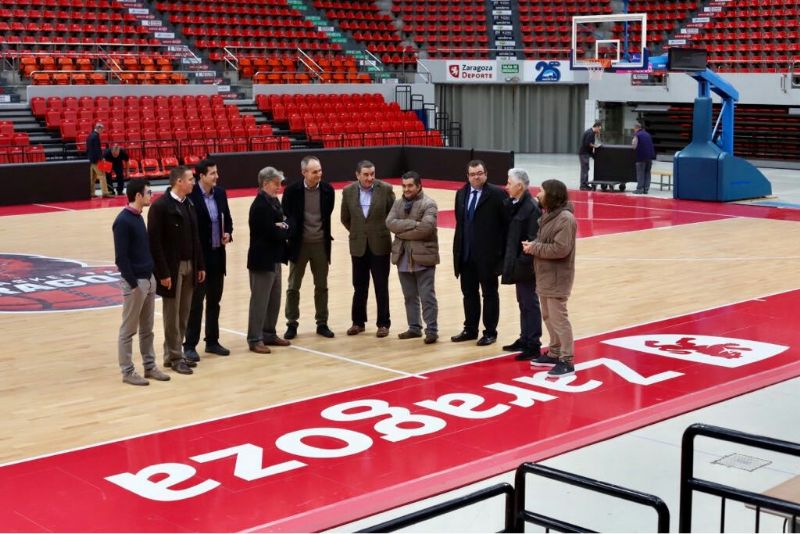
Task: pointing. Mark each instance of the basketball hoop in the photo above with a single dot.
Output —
(597, 67)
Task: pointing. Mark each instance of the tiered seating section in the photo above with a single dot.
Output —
(762, 132)
(248, 27)
(546, 25)
(57, 42)
(15, 147)
(753, 36)
(437, 25)
(366, 25)
(355, 120)
(157, 130)
(290, 69)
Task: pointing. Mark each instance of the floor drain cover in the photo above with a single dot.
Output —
(742, 461)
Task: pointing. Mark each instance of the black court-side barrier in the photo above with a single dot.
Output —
(760, 502)
(450, 506)
(58, 181)
(523, 516)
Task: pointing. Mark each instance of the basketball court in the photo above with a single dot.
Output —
(677, 305)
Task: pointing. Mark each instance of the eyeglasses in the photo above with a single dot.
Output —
(476, 174)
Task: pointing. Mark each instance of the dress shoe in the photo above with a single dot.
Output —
(409, 334)
(355, 330)
(324, 331)
(431, 338)
(464, 336)
(486, 340)
(383, 331)
(216, 348)
(291, 331)
(182, 367)
(187, 362)
(517, 345)
(156, 374)
(276, 341)
(134, 379)
(586, 188)
(191, 354)
(260, 348)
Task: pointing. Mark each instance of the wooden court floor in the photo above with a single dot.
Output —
(639, 260)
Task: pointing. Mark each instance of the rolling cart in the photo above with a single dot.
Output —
(614, 165)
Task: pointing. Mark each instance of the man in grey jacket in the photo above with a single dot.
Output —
(415, 251)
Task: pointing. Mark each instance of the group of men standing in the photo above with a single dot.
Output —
(180, 256)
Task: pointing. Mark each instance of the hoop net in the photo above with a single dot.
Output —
(597, 67)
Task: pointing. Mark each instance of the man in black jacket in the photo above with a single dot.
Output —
(478, 246)
(94, 151)
(589, 142)
(179, 262)
(119, 167)
(268, 233)
(215, 227)
(524, 216)
(308, 204)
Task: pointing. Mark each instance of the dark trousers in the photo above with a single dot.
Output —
(120, 181)
(363, 267)
(643, 169)
(472, 286)
(211, 292)
(584, 159)
(530, 315)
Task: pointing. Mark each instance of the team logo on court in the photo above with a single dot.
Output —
(43, 284)
(719, 351)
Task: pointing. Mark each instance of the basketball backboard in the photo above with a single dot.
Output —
(620, 39)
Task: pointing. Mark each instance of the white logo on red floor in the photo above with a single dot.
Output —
(713, 350)
(31, 283)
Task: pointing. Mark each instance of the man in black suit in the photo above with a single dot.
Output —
(308, 204)
(478, 249)
(215, 227)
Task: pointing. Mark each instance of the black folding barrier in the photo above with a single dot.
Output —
(450, 506)
(759, 502)
(522, 516)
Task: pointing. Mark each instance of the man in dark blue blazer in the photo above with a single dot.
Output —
(478, 251)
(215, 227)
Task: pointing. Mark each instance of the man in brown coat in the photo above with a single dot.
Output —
(179, 264)
(554, 265)
(365, 205)
(415, 251)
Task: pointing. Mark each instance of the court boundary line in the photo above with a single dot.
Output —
(50, 207)
(403, 374)
(335, 392)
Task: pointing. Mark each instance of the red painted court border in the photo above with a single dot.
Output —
(28, 505)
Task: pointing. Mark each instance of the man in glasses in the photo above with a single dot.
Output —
(135, 264)
(478, 250)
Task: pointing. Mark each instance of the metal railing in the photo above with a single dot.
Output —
(522, 516)
(450, 506)
(758, 501)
